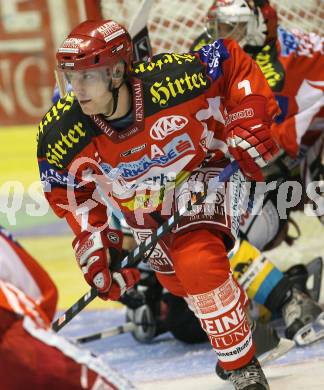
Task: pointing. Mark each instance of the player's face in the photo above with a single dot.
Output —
(91, 89)
(219, 29)
(236, 31)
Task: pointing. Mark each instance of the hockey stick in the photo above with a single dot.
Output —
(127, 327)
(138, 253)
(283, 347)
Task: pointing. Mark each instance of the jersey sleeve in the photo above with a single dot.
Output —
(69, 194)
(302, 97)
(237, 74)
(20, 269)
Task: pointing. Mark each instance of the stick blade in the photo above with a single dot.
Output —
(140, 19)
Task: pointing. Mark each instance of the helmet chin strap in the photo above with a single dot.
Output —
(115, 93)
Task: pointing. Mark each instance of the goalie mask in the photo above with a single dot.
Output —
(249, 22)
(93, 61)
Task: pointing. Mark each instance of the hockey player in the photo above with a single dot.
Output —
(159, 123)
(31, 355)
(293, 64)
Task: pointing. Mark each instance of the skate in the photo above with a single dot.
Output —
(304, 318)
(250, 377)
(269, 346)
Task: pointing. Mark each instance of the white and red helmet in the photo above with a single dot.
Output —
(259, 18)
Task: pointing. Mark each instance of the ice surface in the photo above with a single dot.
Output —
(170, 364)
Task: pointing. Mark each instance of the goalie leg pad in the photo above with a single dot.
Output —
(255, 273)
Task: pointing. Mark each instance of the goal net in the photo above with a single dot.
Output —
(174, 25)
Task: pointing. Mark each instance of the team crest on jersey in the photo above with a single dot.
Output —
(167, 125)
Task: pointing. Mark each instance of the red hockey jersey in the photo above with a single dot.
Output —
(294, 69)
(179, 106)
(25, 287)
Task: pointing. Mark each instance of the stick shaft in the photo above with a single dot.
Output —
(128, 327)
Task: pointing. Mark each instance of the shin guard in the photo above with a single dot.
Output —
(221, 313)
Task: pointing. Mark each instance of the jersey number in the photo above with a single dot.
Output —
(246, 85)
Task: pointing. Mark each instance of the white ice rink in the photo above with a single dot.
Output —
(168, 364)
(305, 375)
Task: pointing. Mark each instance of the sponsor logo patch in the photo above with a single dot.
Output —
(57, 151)
(159, 260)
(110, 30)
(113, 237)
(174, 89)
(167, 125)
(163, 60)
(70, 45)
(55, 112)
(271, 67)
(213, 55)
(51, 178)
(133, 150)
(172, 151)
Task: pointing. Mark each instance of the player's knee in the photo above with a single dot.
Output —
(200, 261)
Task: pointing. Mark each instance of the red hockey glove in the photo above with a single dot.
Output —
(249, 138)
(95, 253)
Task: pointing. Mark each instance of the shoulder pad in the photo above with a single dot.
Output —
(55, 113)
(170, 79)
(160, 62)
(62, 133)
